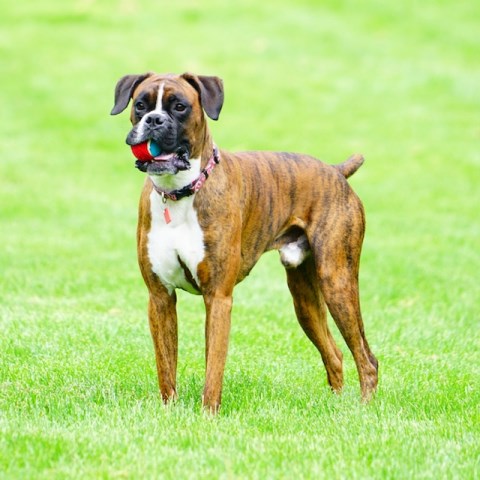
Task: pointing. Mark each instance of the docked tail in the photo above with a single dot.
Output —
(350, 166)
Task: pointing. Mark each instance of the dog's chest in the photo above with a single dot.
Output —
(175, 249)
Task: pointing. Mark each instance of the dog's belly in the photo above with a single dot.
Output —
(175, 249)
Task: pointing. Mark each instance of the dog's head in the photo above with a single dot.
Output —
(168, 109)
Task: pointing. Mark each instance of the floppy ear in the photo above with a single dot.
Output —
(210, 90)
(124, 91)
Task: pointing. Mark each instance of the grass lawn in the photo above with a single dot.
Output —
(78, 388)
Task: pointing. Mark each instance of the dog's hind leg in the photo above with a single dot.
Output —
(312, 316)
(341, 295)
(337, 259)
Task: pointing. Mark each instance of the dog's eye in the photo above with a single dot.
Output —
(180, 107)
(140, 106)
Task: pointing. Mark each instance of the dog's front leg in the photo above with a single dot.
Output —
(217, 331)
(162, 317)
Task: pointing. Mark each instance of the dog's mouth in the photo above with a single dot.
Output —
(166, 162)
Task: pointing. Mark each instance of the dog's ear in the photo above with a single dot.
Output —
(210, 90)
(124, 91)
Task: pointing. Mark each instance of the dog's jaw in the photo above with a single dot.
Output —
(172, 181)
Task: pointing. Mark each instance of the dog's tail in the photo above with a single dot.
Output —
(350, 166)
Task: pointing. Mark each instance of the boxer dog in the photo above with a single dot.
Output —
(207, 215)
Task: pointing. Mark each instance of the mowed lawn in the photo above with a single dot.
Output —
(78, 388)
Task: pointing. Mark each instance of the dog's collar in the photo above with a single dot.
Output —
(194, 186)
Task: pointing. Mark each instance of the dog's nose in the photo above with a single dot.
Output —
(155, 119)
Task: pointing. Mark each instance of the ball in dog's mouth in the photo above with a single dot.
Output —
(146, 151)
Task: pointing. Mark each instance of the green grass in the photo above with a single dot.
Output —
(78, 389)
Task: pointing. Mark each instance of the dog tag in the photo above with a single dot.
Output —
(166, 215)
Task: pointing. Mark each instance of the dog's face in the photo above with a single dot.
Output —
(168, 109)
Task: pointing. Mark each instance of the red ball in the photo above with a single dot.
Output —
(146, 151)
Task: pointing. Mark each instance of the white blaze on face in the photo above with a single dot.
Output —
(158, 107)
(158, 110)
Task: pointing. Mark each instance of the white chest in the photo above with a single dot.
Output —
(175, 249)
